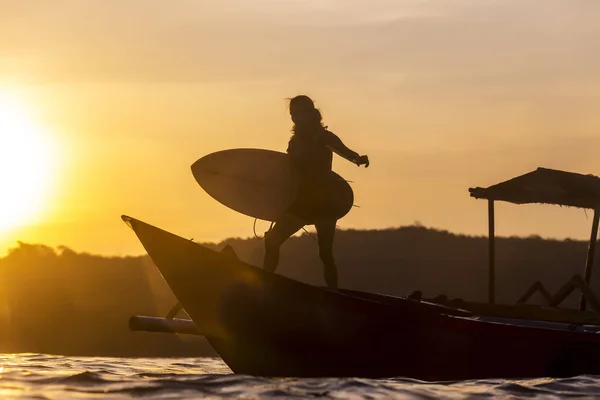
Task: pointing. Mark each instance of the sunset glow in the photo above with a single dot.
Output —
(27, 161)
(104, 116)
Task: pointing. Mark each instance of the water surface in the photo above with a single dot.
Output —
(42, 376)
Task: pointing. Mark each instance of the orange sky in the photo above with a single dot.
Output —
(442, 96)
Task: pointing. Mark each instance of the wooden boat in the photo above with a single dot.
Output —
(268, 325)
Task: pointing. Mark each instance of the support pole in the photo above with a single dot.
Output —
(590, 256)
(492, 254)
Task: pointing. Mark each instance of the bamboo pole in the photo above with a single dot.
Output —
(590, 256)
(492, 253)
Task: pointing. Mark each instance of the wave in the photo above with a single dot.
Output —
(44, 376)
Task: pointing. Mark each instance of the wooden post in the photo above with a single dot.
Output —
(492, 254)
(590, 256)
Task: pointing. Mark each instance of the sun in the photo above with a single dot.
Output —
(26, 163)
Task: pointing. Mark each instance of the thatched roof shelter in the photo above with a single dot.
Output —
(547, 186)
(544, 186)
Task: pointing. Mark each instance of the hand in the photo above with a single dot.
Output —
(363, 160)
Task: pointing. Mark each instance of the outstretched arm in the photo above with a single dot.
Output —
(336, 145)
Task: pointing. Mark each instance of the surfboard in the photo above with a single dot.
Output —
(261, 183)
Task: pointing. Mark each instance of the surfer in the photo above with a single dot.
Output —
(311, 148)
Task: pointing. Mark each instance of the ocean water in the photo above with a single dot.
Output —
(39, 376)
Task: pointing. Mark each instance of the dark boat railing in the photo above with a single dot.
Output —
(576, 282)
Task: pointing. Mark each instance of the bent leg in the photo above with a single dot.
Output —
(285, 227)
(326, 233)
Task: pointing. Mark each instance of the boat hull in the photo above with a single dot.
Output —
(268, 325)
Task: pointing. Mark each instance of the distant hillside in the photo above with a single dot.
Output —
(59, 301)
(399, 261)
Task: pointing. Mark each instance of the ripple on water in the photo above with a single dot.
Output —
(42, 376)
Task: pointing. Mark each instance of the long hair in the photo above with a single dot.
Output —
(312, 120)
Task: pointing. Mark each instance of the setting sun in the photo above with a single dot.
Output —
(27, 161)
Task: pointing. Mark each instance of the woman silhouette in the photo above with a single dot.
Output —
(311, 149)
